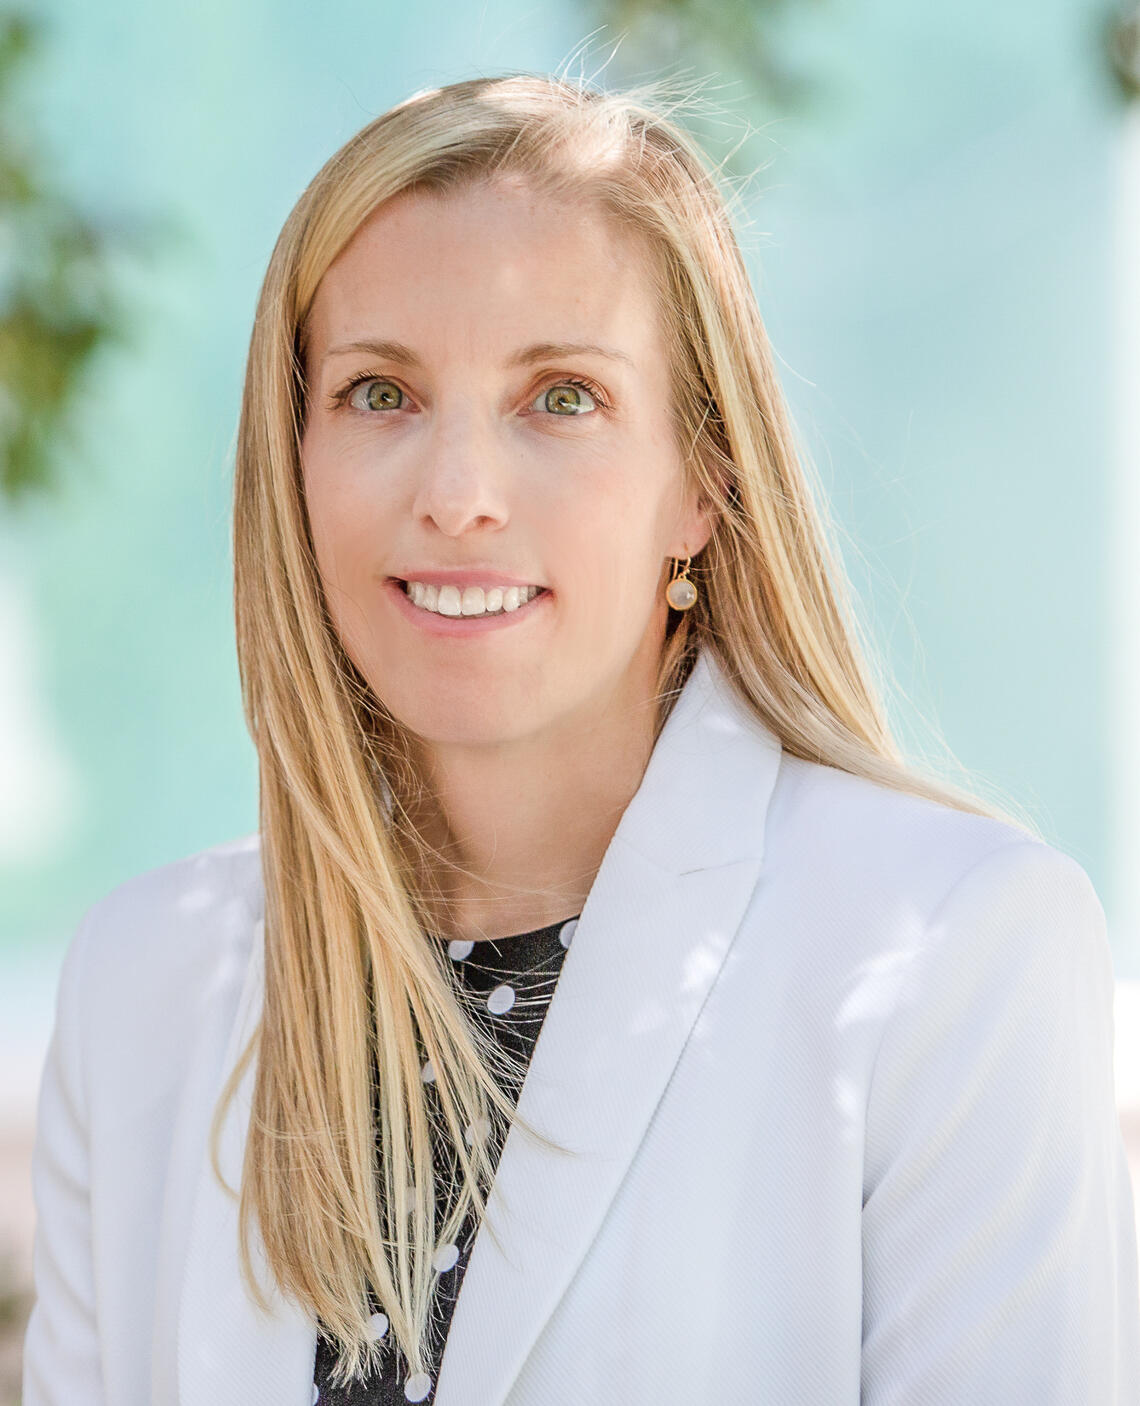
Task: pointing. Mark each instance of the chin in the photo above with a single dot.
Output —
(454, 717)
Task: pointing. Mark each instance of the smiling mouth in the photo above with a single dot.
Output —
(472, 602)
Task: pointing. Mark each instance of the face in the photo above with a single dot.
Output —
(489, 407)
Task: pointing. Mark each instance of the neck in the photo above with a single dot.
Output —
(528, 822)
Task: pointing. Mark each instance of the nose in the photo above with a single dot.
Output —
(462, 480)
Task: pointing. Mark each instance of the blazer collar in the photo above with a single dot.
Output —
(661, 915)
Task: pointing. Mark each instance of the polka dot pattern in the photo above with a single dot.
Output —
(501, 1000)
(479, 1129)
(445, 1258)
(513, 980)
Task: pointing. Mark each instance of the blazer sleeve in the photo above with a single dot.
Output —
(999, 1239)
(61, 1346)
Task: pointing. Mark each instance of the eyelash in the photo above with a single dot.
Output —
(340, 397)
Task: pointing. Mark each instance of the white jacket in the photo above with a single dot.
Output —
(837, 1063)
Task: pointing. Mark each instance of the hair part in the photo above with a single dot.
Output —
(338, 1172)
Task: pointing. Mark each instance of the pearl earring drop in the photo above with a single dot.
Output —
(681, 593)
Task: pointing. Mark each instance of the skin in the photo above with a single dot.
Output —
(534, 737)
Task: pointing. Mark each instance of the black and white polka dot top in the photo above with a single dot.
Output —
(515, 977)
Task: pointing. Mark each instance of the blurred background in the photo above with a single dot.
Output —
(941, 213)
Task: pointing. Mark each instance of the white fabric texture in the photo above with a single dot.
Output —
(835, 1063)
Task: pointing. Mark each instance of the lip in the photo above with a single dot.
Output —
(462, 626)
(467, 576)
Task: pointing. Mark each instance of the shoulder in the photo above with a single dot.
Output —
(872, 885)
(163, 944)
(189, 902)
(892, 923)
(887, 847)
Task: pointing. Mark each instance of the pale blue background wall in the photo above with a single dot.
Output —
(930, 251)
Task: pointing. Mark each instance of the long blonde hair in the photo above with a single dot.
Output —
(338, 1171)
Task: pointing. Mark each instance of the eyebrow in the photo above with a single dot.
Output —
(537, 351)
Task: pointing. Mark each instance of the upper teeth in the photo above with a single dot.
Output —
(472, 600)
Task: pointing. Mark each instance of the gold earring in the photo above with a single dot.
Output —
(681, 593)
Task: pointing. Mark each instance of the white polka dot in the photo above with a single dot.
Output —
(417, 1386)
(480, 1127)
(501, 1000)
(458, 950)
(566, 932)
(427, 1073)
(445, 1258)
(377, 1326)
(316, 1394)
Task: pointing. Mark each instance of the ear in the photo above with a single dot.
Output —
(694, 527)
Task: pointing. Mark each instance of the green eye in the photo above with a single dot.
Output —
(568, 398)
(376, 395)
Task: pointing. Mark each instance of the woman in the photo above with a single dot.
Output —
(562, 726)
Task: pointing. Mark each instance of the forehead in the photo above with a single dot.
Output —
(484, 268)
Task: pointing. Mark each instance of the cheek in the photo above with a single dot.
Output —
(606, 533)
(614, 559)
(343, 547)
(342, 520)
(334, 489)
(632, 519)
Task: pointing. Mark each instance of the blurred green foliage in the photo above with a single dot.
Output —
(56, 300)
(748, 46)
(735, 38)
(1122, 44)
(739, 53)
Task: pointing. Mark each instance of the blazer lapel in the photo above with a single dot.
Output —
(653, 935)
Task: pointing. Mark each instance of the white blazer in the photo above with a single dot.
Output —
(836, 1062)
